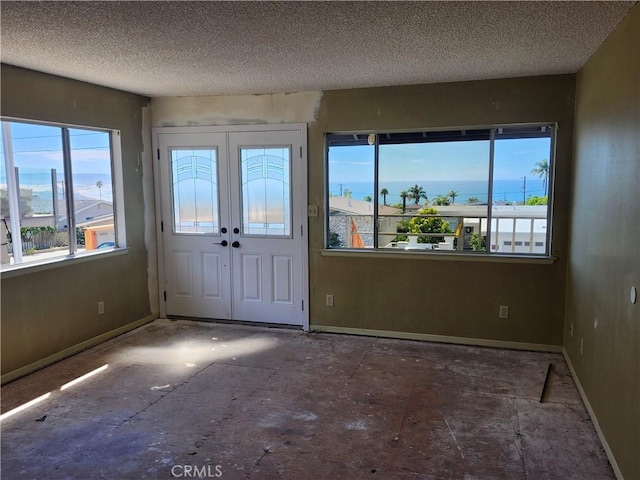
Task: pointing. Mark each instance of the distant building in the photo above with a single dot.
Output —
(514, 228)
(352, 220)
(90, 212)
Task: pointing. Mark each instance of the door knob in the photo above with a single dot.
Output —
(236, 230)
(224, 243)
(235, 244)
(223, 229)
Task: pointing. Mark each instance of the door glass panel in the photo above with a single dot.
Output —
(194, 175)
(266, 191)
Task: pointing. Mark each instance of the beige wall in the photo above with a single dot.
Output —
(604, 260)
(436, 297)
(49, 311)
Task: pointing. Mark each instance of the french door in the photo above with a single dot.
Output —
(232, 224)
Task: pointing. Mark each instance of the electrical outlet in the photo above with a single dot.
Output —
(329, 300)
(312, 210)
(581, 346)
(100, 308)
(504, 311)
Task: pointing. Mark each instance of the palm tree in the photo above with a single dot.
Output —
(441, 200)
(403, 195)
(384, 192)
(542, 170)
(99, 185)
(453, 194)
(347, 193)
(417, 193)
(367, 198)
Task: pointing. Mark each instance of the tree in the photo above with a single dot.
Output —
(334, 240)
(416, 192)
(403, 195)
(542, 170)
(384, 192)
(99, 185)
(441, 200)
(478, 243)
(472, 200)
(427, 221)
(453, 194)
(347, 193)
(367, 198)
(536, 200)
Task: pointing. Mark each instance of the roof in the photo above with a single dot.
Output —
(497, 211)
(347, 205)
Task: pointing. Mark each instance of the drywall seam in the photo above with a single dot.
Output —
(67, 352)
(478, 342)
(150, 237)
(594, 419)
(299, 107)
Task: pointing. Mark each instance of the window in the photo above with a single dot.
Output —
(459, 190)
(56, 191)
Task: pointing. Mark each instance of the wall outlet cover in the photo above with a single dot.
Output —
(329, 300)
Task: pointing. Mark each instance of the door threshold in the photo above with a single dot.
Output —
(243, 323)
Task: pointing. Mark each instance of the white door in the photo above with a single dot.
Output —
(195, 224)
(266, 213)
(232, 231)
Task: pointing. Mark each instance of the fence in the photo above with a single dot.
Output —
(43, 238)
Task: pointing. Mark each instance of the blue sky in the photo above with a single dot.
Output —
(438, 161)
(39, 147)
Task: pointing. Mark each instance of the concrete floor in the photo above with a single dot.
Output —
(186, 399)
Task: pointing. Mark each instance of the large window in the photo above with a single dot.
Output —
(56, 191)
(464, 190)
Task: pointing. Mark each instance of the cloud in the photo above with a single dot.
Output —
(101, 155)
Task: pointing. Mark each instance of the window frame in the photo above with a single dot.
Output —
(378, 251)
(117, 177)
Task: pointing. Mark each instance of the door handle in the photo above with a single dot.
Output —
(235, 244)
(224, 243)
(223, 229)
(236, 230)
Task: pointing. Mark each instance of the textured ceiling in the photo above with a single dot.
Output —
(220, 48)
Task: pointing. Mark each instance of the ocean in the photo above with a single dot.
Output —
(84, 186)
(503, 190)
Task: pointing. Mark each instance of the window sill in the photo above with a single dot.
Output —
(33, 267)
(449, 257)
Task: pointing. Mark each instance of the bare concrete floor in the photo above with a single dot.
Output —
(186, 399)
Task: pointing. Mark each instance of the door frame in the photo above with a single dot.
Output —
(300, 128)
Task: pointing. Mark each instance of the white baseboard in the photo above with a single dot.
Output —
(594, 419)
(479, 342)
(67, 352)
